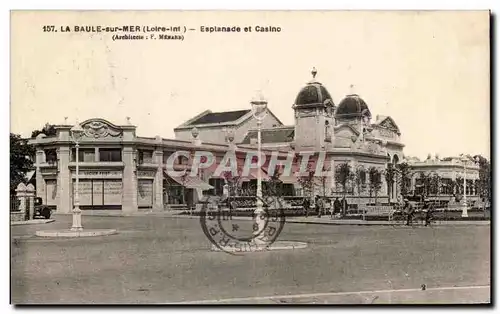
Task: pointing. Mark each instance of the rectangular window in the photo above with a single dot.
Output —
(51, 156)
(84, 155)
(165, 157)
(288, 189)
(218, 185)
(145, 156)
(110, 154)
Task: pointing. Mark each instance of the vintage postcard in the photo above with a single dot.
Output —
(250, 157)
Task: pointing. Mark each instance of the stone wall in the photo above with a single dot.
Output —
(17, 216)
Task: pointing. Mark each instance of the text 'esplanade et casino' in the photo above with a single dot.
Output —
(120, 170)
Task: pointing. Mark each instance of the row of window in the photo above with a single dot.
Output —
(105, 154)
(447, 187)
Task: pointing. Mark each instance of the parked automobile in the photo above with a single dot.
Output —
(41, 210)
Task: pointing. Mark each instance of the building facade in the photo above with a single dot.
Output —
(120, 170)
(443, 178)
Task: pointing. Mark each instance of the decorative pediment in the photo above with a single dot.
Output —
(100, 128)
(345, 130)
(388, 123)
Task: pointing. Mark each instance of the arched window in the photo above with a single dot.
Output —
(328, 137)
(395, 159)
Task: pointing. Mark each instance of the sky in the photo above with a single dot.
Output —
(429, 71)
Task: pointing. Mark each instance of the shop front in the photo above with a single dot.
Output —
(98, 189)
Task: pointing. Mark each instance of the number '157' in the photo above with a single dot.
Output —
(49, 28)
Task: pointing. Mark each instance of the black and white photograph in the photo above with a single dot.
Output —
(250, 157)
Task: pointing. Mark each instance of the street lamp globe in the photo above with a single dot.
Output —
(77, 132)
(259, 106)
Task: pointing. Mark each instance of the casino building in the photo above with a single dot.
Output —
(120, 170)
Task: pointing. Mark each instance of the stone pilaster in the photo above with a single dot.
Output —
(40, 182)
(413, 184)
(64, 184)
(129, 181)
(21, 196)
(30, 197)
(158, 182)
(332, 178)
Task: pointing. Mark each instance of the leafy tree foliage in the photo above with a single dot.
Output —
(359, 179)
(307, 182)
(425, 181)
(434, 183)
(390, 177)
(375, 176)
(404, 177)
(343, 176)
(20, 163)
(48, 130)
(484, 177)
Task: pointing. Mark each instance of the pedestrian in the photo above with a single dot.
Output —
(317, 204)
(305, 205)
(429, 214)
(409, 212)
(345, 206)
(337, 206)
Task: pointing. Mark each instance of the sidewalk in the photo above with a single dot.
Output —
(324, 220)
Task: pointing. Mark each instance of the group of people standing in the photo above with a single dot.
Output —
(337, 207)
(409, 210)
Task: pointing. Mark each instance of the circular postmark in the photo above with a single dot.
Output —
(254, 231)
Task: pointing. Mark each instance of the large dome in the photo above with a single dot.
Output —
(314, 93)
(352, 105)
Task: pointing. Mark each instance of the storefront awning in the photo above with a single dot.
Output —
(197, 183)
(190, 182)
(288, 179)
(254, 173)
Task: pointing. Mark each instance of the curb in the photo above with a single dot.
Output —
(391, 223)
(276, 246)
(75, 234)
(312, 222)
(32, 222)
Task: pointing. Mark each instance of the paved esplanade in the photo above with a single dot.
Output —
(160, 260)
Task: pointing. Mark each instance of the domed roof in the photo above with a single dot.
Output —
(314, 93)
(352, 105)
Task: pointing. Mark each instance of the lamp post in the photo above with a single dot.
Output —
(76, 134)
(464, 205)
(259, 106)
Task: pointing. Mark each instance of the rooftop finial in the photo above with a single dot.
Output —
(128, 120)
(314, 72)
(65, 120)
(352, 90)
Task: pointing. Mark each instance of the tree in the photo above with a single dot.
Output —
(233, 182)
(359, 179)
(375, 181)
(390, 177)
(321, 181)
(273, 186)
(20, 163)
(434, 184)
(48, 130)
(452, 184)
(424, 179)
(404, 177)
(343, 176)
(306, 182)
(484, 177)
(459, 184)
